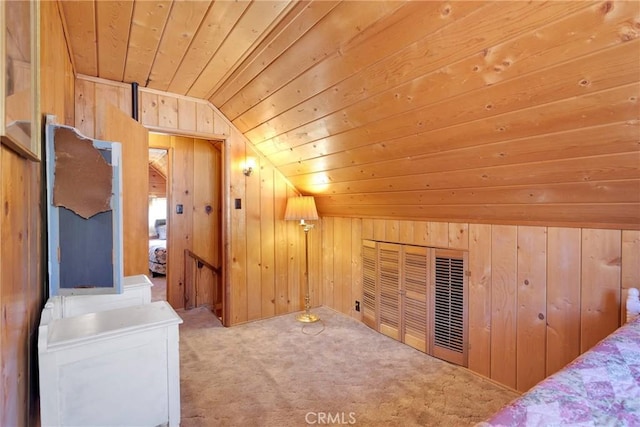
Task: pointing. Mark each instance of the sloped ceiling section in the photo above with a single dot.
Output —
(511, 111)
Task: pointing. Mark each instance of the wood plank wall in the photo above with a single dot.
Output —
(157, 182)
(265, 267)
(92, 120)
(538, 296)
(22, 284)
(265, 276)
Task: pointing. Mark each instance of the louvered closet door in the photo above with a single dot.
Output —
(369, 300)
(449, 296)
(389, 289)
(415, 278)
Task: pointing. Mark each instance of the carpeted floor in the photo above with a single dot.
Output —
(279, 372)
(159, 288)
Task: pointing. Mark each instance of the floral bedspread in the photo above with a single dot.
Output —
(158, 258)
(599, 388)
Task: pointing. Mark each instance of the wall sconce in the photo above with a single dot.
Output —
(249, 164)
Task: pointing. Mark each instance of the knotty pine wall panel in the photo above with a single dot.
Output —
(238, 295)
(479, 355)
(56, 89)
(531, 315)
(504, 304)
(571, 277)
(116, 125)
(254, 252)
(157, 183)
(328, 245)
(207, 199)
(563, 296)
(267, 240)
(630, 266)
(22, 284)
(601, 287)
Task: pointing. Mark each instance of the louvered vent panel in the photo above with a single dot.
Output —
(388, 260)
(449, 304)
(415, 317)
(415, 272)
(369, 284)
(415, 277)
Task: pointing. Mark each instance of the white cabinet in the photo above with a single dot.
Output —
(118, 367)
(136, 291)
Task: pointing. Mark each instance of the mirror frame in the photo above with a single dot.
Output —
(24, 137)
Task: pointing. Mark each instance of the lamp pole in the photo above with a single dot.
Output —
(307, 316)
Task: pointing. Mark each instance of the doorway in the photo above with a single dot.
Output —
(193, 221)
(158, 191)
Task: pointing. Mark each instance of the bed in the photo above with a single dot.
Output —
(158, 248)
(157, 257)
(599, 388)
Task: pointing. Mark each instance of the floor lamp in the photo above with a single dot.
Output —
(303, 209)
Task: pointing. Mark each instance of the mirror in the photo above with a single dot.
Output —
(20, 77)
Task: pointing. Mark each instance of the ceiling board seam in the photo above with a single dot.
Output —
(466, 94)
(126, 53)
(226, 37)
(195, 36)
(157, 170)
(479, 221)
(329, 55)
(389, 90)
(484, 205)
(453, 150)
(155, 55)
(528, 107)
(464, 189)
(235, 71)
(339, 52)
(95, 26)
(67, 36)
(458, 169)
(271, 38)
(439, 30)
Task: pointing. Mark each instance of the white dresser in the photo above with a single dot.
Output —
(115, 367)
(136, 291)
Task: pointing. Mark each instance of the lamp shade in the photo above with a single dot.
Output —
(301, 208)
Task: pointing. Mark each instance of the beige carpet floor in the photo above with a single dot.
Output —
(278, 372)
(159, 288)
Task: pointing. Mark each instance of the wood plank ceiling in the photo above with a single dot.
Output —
(512, 111)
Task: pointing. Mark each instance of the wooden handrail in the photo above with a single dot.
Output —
(191, 254)
(191, 283)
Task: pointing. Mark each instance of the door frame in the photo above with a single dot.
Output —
(225, 202)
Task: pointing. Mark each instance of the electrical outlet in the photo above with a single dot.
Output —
(357, 305)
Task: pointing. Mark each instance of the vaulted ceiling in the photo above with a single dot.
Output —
(399, 106)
